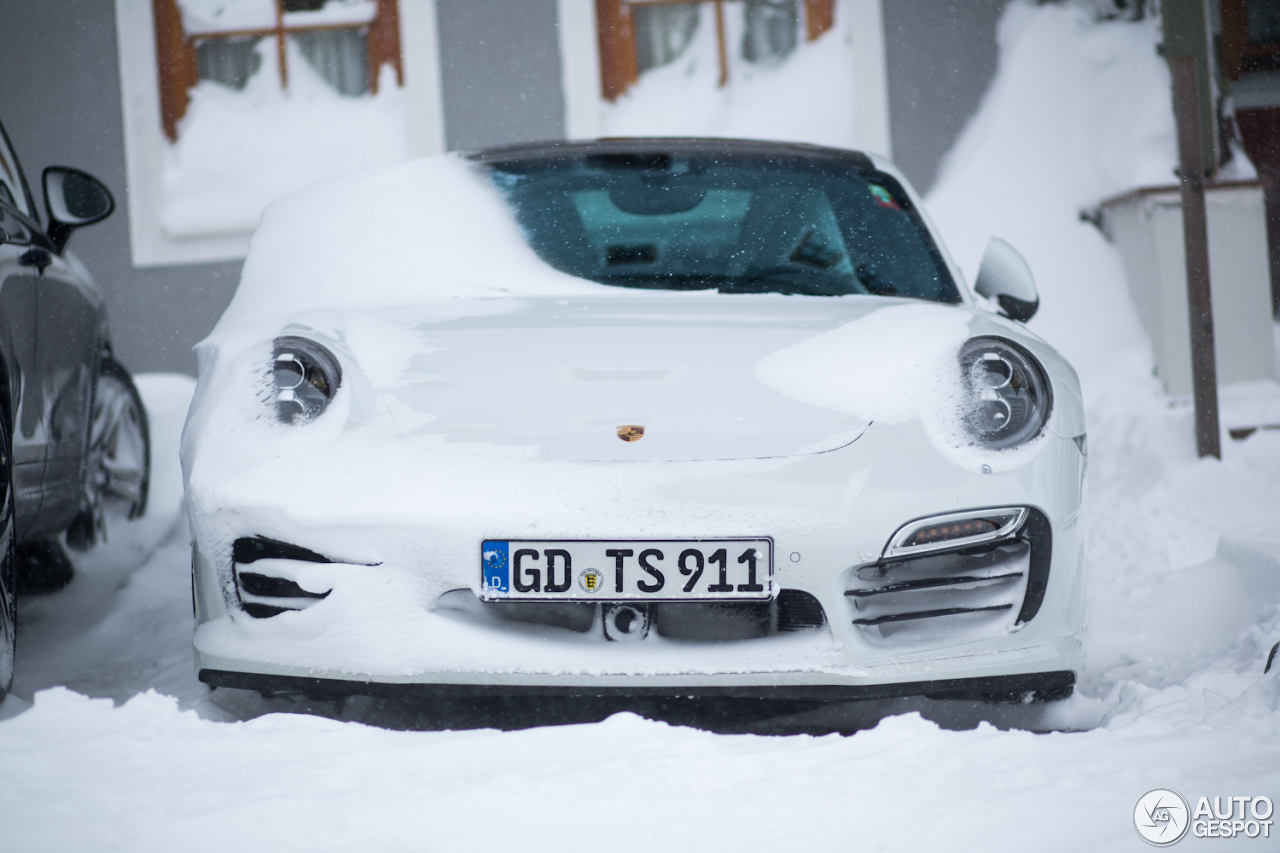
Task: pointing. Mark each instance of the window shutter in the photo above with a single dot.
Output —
(384, 44)
(618, 67)
(176, 58)
(819, 16)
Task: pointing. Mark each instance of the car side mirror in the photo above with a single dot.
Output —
(73, 199)
(1005, 277)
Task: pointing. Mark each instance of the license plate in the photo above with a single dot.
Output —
(635, 570)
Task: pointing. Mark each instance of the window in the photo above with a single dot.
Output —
(795, 70)
(346, 41)
(1250, 36)
(639, 35)
(230, 104)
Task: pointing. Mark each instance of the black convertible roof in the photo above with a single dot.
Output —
(670, 145)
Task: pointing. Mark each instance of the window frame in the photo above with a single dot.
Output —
(176, 51)
(859, 21)
(146, 141)
(1237, 50)
(619, 68)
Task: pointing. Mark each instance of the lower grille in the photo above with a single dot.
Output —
(263, 590)
(695, 621)
(966, 593)
(798, 610)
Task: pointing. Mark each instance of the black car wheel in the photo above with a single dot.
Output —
(8, 601)
(118, 461)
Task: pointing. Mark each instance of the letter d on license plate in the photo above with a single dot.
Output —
(628, 570)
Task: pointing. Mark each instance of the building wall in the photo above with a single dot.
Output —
(500, 67)
(499, 71)
(941, 54)
(60, 103)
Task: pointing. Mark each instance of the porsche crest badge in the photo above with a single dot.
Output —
(630, 433)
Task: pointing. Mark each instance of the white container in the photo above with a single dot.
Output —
(1146, 226)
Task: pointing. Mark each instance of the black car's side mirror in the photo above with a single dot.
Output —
(73, 199)
(1005, 277)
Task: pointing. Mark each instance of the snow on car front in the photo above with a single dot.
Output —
(347, 543)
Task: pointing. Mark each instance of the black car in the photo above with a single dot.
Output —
(74, 448)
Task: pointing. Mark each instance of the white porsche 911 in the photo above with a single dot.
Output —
(639, 417)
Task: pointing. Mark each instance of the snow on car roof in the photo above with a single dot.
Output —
(433, 228)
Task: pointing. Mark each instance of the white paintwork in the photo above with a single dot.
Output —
(145, 142)
(1147, 229)
(420, 52)
(564, 377)
(1005, 272)
(579, 67)
(871, 76)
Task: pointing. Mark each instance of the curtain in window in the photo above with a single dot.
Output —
(340, 56)
(771, 30)
(229, 61)
(662, 33)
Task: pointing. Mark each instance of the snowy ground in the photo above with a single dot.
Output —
(122, 749)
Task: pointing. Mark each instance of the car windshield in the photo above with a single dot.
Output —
(733, 223)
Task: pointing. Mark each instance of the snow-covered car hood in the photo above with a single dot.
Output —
(556, 378)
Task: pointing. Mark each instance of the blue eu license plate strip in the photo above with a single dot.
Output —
(497, 571)
(628, 570)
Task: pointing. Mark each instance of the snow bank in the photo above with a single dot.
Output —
(239, 150)
(141, 776)
(1078, 111)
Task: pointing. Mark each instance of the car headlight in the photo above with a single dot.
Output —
(306, 377)
(1009, 396)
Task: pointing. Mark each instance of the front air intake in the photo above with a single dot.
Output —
(264, 589)
(970, 591)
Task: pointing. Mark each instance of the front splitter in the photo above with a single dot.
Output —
(1037, 686)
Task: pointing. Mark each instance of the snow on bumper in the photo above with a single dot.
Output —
(403, 528)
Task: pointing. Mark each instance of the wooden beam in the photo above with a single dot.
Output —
(384, 44)
(1195, 233)
(819, 16)
(1260, 132)
(1235, 36)
(203, 35)
(280, 46)
(176, 60)
(618, 66)
(722, 52)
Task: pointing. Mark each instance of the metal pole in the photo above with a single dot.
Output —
(1195, 232)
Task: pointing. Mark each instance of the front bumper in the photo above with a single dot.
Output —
(373, 616)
